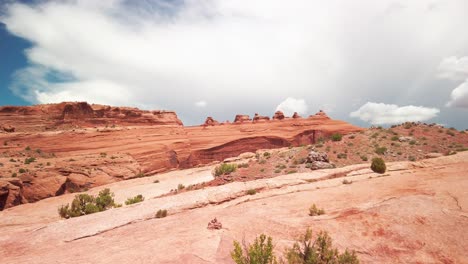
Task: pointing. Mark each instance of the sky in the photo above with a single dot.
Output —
(366, 62)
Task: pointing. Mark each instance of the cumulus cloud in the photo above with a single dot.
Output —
(241, 56)
(459, 96)
(200, 104)
(291, 105)
(382, 114)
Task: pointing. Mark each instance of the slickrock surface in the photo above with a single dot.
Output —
(414, 213)
(77, 146)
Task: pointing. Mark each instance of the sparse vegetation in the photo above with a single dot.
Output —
(342, 156)
(305, 250)
(251, 191)
(29, 160)
(411, 158)
(336, 137)
(378, 165)
(225, 168)
(314, 210)
(136, 199)
(380, 150)
(180, 187)
(84, 204)
(161, 213)
(364, 158)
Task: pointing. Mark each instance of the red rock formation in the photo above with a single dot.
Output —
(296, 115)
(83, 153)
(259, 118)
(242, 119)
(278, 115)
(321, 113)
(210, 122)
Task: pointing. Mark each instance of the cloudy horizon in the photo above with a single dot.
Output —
(366, 62)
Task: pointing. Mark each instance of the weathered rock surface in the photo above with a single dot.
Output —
(318, 161)
(278, 115)
(415, 214)
(259, 118)
(210, 122)
(90, 145)
(242, 119)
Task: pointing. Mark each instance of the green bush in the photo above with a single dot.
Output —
(266, 154)
(342, 156)
(380, 150)
(21, 170)
(225, 168)
(336, 137)
(378, 165)
(319, 251)
(251, 191)
(84, 204)
(29, 160)
(314, 210)
(136, 199)
(161, 213)
(364, 158)
(305, 250)
(394, 138)
(260, 252)
(412, 142)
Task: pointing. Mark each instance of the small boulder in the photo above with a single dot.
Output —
(214, 224)
(318, 161)
(210, 121)
(405, 139)
(259, 118)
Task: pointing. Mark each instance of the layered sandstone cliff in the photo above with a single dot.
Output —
(76, 146)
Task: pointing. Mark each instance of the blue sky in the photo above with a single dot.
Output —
(366, 62)
(12, 59)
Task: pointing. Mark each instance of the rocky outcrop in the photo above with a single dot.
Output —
(278, 115)
(321, 113)
(11, 193)
(215, 224)
(318, 160)
(71, 115)
(242, 119)
(296, 115)
(258, 118)
(140, 143)
(210, 122)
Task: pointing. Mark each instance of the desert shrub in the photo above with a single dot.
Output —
(84, 204)
(251, 191)
(161, 213)
(352, 137)
(394, 138)
(156, 181)
(21, 170)
(292, 171)
(342, 156)
(262, 170)
(412, 142)
(262, 161)
(136, 199)
(380, 150)
(180, 187)
(364, 158)
(411, 158)
(225, 168)
(450, 133)
(29, 160)
(260, 252)
(12, 160)
(27, 148)
(277, 171)
(407, 125)
(314, 210)
(378, 165)
(336, 137)
(318, 251)
(266, 154)
(13, 175)
(399, 153)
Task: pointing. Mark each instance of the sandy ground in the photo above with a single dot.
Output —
(415, 213)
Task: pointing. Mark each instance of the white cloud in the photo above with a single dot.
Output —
(291, 105)
(459, 96)
(380, 113)
(240, 56)
(453, 68)
(200, 104)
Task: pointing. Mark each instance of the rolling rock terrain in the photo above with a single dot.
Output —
(50, 150)
(416, 212)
